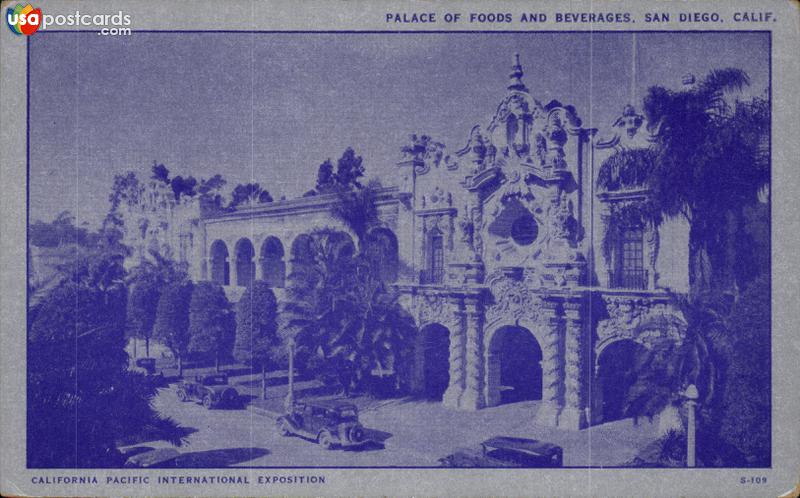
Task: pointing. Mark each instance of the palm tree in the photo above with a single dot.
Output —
(375, 333)
(357, 208)
(709, 163)
(322, 263)
(341, 315)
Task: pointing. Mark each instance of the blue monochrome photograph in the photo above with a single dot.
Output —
(399, 249)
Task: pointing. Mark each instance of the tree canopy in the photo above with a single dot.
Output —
(160, 173)
(256, 325)
(211, 322)
(348, 326)
(349, 170)
(184, 187)
(249, 193)
(710, 163)
(172, 317)
(357, 209)
(79, 384)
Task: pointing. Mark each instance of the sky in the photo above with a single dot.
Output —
(270, 107)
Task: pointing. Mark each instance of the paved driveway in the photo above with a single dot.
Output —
(413, 433)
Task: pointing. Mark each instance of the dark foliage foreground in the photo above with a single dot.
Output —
(82, 399)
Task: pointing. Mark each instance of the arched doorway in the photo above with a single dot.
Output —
(245, 267)
(435, 357)
(381, 249)
(514, 366)
(220, 268)
(616, 373)
(273, 268)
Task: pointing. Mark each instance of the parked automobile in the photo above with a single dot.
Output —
(505, 451)
(330, 423)
(211, 390)
(147, 366)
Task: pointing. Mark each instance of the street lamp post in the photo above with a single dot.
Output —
(691, 396)
(289, 402)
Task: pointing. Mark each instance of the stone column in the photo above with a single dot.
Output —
(552, 366)
(234, 270)
(607, 262)
(492, 377)
(473, 398)
(421, 236)
(207, 269)
(455, 389)
(259, 273)
(573, 416)
(652, 239)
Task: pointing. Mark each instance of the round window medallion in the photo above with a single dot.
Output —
(524, 230)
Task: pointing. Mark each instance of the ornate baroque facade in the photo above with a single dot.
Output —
(500, 242)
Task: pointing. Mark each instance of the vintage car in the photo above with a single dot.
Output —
(211, 390)
(504, 451)
(147, 367)
(330, 423)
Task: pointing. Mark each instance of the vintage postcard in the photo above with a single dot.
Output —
(399, 248)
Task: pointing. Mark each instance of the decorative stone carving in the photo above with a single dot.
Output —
(477, 221)
(467, 227)
(473, 396)
(424, 152)
(456, 385)
(433, 308)
(627, 132)
(630, 121)
(653, 241)
(451, 230)
(541, 149)
(470, 224)
(479, 150)
(563, 225)
(437, 196)
(573, 415)
(552, 366)
(514, 299)
(556, 138)
(642, 319)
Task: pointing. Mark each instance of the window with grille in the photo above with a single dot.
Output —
(435, 271)
(630, 272)
(632, 250)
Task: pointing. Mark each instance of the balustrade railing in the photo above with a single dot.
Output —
(628, 279)
(435, 276)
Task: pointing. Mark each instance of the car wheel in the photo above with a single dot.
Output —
(182, 395)
(283, 428)
(356, 434)
(207, 401)
(325, 440)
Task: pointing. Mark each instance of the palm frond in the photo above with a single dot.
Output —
(723, 80)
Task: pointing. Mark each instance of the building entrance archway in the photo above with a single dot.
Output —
(435, 358)
(616, 374)
(514, 366)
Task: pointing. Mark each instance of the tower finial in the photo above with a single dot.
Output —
(516, 75)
